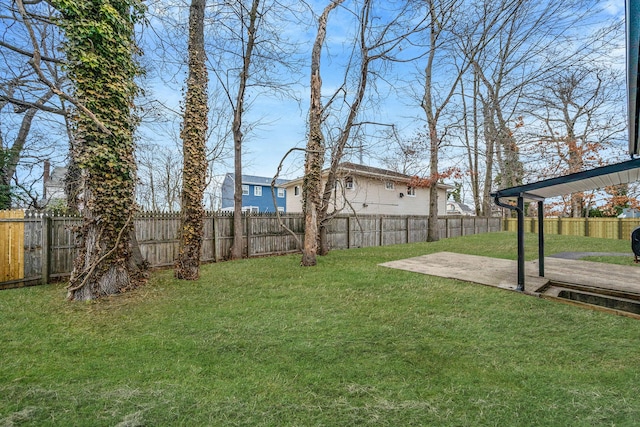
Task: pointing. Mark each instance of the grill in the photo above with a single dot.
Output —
(635, 243)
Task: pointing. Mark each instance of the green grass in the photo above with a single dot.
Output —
(619, 260)
(264, 342)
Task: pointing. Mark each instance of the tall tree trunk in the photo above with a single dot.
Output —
(489, 138)
(511, 169)
(337, 152)
(432, 228)
(314, 158)
(104, 144)
(432, 126)
(194, 136)
(576, 164)
(441, 17)
(236, 247)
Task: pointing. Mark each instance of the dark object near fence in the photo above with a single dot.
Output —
(635, 243)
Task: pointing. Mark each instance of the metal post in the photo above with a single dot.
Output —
(520, 212)
(519, 208)
(541, 238)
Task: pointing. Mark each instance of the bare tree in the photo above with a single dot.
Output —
(250, 55)
(25, 101)
(442, 21)
(513, 46)
(160, 177)
(577, 111)
(406, 155)
(381, 31)
(249, 24)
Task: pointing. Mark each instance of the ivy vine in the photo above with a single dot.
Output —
(101, 62)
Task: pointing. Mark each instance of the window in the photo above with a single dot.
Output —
(280, 192)
(389, 185)
(411, 191)
(348, 183)
(257, 190)
(280, 209)
(296, 190)
(245, 190)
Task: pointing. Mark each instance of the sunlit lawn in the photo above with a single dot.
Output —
(266, 342)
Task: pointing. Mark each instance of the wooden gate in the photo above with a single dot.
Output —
(11, 245)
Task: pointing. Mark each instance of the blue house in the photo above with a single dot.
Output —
(256, 194)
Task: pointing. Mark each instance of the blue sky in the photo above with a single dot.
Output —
(284, 120)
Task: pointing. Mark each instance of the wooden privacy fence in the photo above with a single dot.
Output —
(606, 228)
(11, 245)
(43, 246)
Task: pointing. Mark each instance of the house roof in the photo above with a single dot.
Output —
(347, 168)
(258, 180)
(57, 176)
(356, 169)
(463, 207)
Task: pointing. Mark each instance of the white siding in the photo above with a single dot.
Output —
(369, 196)
(294, 202)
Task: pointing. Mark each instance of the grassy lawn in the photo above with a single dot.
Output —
(264, 342)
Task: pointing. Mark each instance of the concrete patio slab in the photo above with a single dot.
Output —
(502, 273)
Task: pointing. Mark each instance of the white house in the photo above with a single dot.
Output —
(370, 190)
(456, 208)
(53, 185)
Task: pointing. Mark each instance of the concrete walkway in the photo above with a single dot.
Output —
(502, 273)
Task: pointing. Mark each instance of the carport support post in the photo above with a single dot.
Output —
(541, 238)
(520, 212)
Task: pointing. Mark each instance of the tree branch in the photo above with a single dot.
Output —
(35, 64)
(31, 54)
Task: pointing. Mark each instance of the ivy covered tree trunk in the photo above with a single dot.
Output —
(314, 159)
(100, 50)
(194, 136)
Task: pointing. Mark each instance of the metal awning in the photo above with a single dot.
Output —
(598, 178)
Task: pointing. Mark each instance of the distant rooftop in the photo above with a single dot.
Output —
(258, 180)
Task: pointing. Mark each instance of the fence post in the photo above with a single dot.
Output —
(586, 226)
(215, 239)
(381, 230)
(46, 249)
(248, 225)
(408, 230)
(619, 228)
(348, 232)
